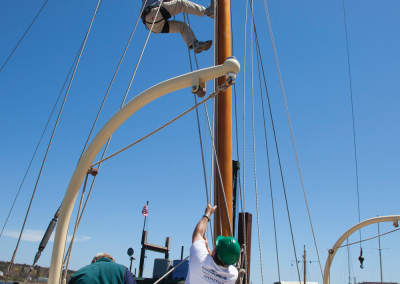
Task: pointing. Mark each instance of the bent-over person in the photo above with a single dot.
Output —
(103, 270)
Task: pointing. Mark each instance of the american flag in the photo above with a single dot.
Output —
(145, 211)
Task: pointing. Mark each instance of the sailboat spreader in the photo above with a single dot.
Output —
(193, 79)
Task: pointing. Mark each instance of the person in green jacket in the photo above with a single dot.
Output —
(103, 270)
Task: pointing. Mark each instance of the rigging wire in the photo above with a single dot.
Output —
(75, 228)
(348, 258)
(51, 139)
(98, 114)
(242, 198)
(122, 104)
(153, 132)
(112, 81)
(367, 239)
(351, 263)
(290, 127)
(269, 168)
(145, 251)
(214, 106)
(43, 242)
(211, 63)
(352, 117)
(213, 150)
(198, 123)
(235, 96)
(141, 54)
(212, 154)
(211, 95)
(254, 144)
(40, 140)
(197, 112)
(134, 143)
(219, 215)
(243, 138)
(244, 109)
(277, 151)
(24, 35)
(219, 175)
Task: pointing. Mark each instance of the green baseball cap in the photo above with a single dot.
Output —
(228, 249)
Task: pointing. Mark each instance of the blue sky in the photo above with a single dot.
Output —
(166, 169)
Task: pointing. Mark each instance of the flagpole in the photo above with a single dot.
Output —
(143, 250)
(144, 224)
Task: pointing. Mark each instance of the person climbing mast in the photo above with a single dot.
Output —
(170, 8)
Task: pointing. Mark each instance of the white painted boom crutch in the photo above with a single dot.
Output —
(194, 79)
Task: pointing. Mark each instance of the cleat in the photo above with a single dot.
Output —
(200, 46)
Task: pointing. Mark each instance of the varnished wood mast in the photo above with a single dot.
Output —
(223, 123)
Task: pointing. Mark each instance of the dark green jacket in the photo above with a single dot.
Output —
(103, 271)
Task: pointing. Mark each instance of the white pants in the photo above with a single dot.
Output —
(175, 7)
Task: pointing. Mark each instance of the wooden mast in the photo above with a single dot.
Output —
(223, 138)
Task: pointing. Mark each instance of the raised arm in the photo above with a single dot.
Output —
(202, 225)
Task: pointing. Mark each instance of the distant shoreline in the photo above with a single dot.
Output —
(20, 282)
(21, 271)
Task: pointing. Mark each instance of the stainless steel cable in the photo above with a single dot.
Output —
(37, 15)
(151, 133)
(109, 140)
(254, 143)
(198, 123)
(123, 101)
(219, 174)
(197, 113)
(112, 81)
(352, 117)
(76, 227)
(158, 129)
(269, 169)
(55, 127)
(40, 140)
(367, 239)
(244, 138)
(141, 54)
(291, 130)
(277, 152)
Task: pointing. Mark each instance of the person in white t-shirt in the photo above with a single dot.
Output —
(214, 266)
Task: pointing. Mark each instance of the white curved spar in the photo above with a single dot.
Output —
(393, 218)
(231, 66)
